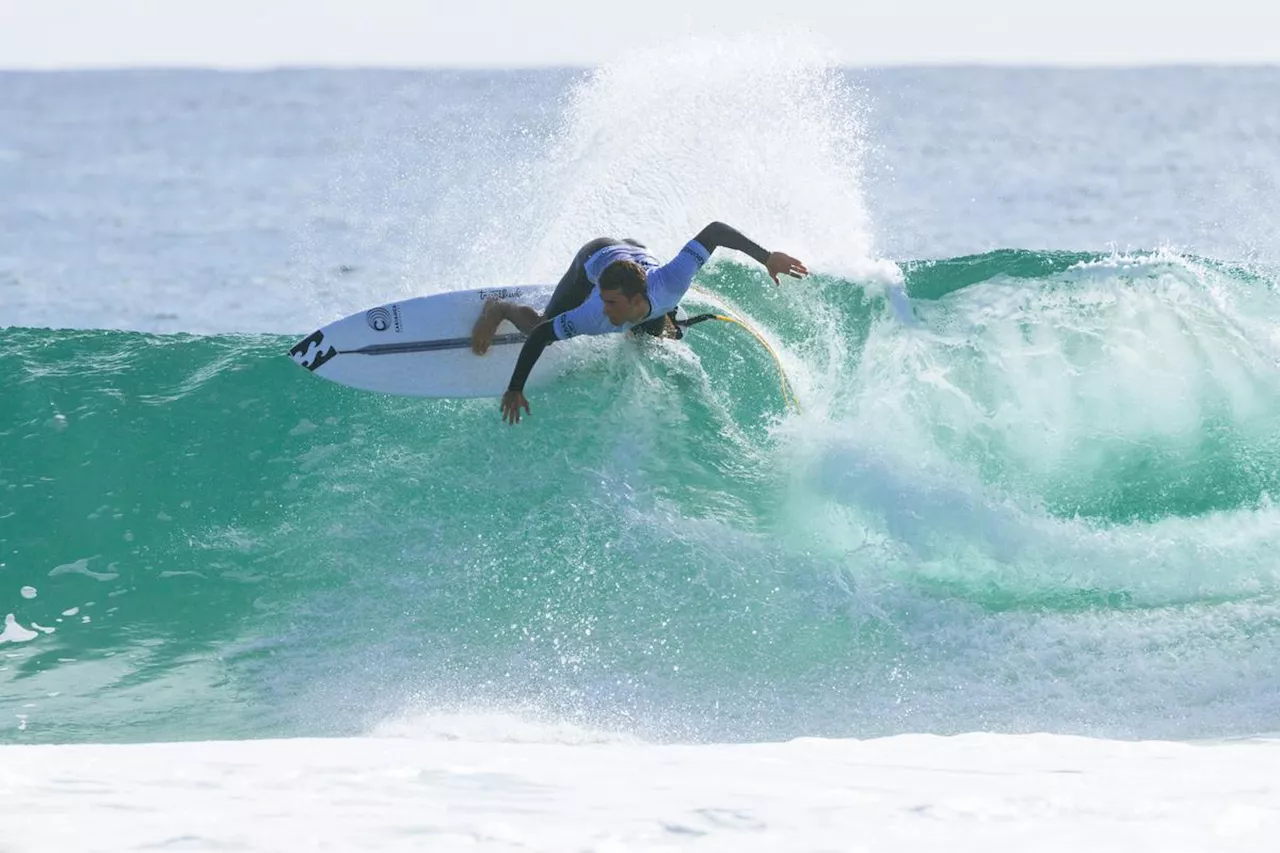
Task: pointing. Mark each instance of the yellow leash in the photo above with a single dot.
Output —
(788, 398)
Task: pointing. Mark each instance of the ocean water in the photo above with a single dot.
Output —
(1033, 496)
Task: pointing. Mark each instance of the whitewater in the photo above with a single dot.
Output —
(1005, 579)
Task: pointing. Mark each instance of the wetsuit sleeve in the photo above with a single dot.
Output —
(543, 334)
(718, 234)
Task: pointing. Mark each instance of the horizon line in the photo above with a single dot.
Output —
(574, 67)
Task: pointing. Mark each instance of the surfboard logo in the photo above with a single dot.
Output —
(379, 319)
(303, 349)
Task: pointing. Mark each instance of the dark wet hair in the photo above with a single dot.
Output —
(625, 276)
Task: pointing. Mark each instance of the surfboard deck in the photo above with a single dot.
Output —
(421, 347)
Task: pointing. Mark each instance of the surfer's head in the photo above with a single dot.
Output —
(623, 291)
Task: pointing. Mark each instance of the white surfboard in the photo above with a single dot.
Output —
(421, 347)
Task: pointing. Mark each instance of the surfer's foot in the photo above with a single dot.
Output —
(491, 316)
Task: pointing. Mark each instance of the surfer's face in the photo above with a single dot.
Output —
(619, 309)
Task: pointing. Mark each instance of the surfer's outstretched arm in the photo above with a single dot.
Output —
(513, 400)
(718, 234)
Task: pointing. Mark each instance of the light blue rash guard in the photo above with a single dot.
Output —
(666, 285)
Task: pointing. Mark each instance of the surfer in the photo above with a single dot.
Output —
(613, 286)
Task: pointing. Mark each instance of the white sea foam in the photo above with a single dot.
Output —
(974, 792)
(657, 143)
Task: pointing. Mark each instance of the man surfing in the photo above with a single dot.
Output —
(613, 286)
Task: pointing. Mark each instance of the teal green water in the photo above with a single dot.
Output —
(1045, 505)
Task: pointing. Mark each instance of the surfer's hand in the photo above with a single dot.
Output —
(779, 263)
(512, 401)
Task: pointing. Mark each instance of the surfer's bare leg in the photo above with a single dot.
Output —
(494, 312)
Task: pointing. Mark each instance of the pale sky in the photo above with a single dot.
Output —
(487, 33)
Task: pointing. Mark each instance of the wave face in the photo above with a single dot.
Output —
(1040, 501)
